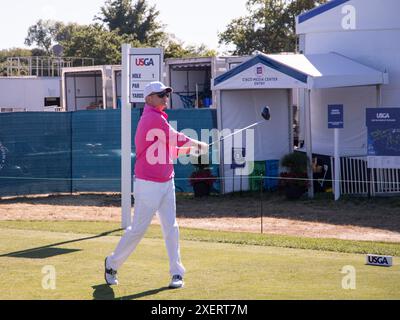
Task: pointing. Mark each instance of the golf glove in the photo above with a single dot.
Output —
(199, 149)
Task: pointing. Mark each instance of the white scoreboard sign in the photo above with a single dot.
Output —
(145, 66)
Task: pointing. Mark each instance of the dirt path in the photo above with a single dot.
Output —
(241, 215)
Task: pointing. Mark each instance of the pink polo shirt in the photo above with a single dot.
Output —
(157, 145)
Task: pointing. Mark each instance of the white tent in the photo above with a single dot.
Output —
(268, 80)
(314, 71)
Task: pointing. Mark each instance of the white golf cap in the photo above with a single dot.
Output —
(156, 87)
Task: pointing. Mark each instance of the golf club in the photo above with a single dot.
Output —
(265, 114)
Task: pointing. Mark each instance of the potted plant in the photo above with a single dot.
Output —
(294, 181)
(201, 179)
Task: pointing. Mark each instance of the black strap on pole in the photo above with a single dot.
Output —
(233, 182)
(241, 171)
(369, 181)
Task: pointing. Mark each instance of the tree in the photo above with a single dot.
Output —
(127, 22)
(43, 34)
(7, 53)
(14, 52)
(269, 27)
(134, 18)
(295, 8)
(82, 41)
(94, 41)
(174, 48)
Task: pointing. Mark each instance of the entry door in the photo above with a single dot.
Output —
(70, 94)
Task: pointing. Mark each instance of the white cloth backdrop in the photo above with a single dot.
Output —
(353, 137)
(241, 108)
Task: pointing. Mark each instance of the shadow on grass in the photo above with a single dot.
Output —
(105, 292)
(75, 199)
(50, 250)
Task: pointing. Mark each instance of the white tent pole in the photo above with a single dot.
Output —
(197, 96)
(378, 95)
(291, 119)
(221, 148)
(125, 141)
(63, 92)
(308, 142)
(337, 164)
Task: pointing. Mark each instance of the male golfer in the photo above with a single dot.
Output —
(157, 145)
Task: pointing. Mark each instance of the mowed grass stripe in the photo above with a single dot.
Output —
(334, 245)
(214, 271)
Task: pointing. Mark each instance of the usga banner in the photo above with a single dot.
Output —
(383, 137)
(380, 261)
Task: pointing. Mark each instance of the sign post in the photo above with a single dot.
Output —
(140, 66)
(336, 122)
(126, 138)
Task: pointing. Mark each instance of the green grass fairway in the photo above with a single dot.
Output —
(215, 270)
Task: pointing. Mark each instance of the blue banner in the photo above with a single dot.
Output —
(383, 131)
(383, 117)
(335, 116)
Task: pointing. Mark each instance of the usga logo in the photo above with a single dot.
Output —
(141, 62)
(383, 116)
(382, 261)
(259, 71)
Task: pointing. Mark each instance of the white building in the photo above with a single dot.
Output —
(34, 83)
(99, 87)
(349, 55)
(191, 79)
(367, 31)
(29, 94)
(91, 88)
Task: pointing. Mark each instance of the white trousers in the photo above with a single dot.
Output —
(150, 198)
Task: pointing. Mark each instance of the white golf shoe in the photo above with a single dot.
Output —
(176, 282)
(110, 275)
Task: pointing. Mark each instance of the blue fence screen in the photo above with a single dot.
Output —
(44, 152)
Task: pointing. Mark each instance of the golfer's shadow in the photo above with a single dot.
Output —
(51, 250)
(105, 292)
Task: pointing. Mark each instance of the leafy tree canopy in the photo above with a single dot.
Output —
(121, 21)
(268, 27)
(134, 18)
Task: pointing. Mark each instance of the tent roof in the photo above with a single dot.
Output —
(320, 9)
(337, 15)
(330, 70)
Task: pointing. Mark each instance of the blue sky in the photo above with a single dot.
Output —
(192, 21)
